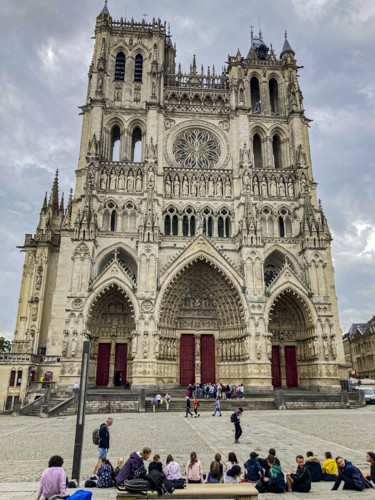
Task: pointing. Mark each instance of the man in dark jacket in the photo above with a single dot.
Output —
(103, 445)
(254, 471)
(301, 480)
(237, 424)
(188, 412)
(350, 475)
(264, 462)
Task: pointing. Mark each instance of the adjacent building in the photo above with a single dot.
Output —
(359, 347)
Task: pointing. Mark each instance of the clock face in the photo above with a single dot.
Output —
(196, 148)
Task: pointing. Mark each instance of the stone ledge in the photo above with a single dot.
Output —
(240, 491)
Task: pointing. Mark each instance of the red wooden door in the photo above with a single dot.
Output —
(208, 359)
(291, 366)
(187, 360)
(102, 368)
(275, 366)
(119, 376)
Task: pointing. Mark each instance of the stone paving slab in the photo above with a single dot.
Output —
(28, 443)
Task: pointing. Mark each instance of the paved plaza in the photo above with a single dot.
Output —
(28, 443)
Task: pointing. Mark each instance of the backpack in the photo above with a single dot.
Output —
(233, 417)
(81, 495)
(138, 484)
(95, 436)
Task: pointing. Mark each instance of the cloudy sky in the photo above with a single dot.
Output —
(45, 52)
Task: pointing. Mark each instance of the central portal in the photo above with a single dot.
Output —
(193, 355)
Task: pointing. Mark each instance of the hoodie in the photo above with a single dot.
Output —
(276, 477)
(134, 462)
(254, 470)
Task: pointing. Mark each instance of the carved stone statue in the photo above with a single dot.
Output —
(176, 186)
(168, 190)
(228, 188)
(73, 348)
(246, 181)
(325, 348)
(185, 186)
(211, 187)
(282, 188)
(219, 188)
(258, 344)
(290, 187)
(334, 348)
(256, 186)
(202, 187)
(103, 180)
(264, 187)
(39, 278)
(194, 187)
(121, 181)
(138, 183)
(112, 182)
(273, 190)
(130, 184)
(64, 349)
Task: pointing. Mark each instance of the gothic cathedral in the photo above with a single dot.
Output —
(193, 248)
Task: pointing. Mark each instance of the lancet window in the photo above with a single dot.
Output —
(115, 143)
(136, 145)
(120, 67)
(138, 68)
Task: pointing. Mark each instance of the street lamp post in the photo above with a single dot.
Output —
(80, 424)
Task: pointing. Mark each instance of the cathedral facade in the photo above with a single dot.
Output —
(193, 248)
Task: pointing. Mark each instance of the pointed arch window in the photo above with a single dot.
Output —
(281, 227)
(175, 225)
(276, 151)
(137, 145)
(255, 94)
(274, 96)
(120, 67)
(113, 221)
(257, 149)
(138, 68)
(207, 223)
(167, 225)
(115, 143)
(12, 378)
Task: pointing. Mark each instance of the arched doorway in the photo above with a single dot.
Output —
(111, 324)
(203, 311)
(293, 338)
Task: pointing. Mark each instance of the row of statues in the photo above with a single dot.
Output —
(204, 186)
(121, 180)
(270, 185)
(312, 349)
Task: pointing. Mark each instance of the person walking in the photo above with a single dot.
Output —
(196, 406)
(188, 412)
(236, 417)
(167, 400)
(103, 445)
(217, 408)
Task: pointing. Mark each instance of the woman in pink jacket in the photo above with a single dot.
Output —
(194, 469)
(53, 480)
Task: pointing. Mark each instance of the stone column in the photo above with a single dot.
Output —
(197, 339)
(112, 361)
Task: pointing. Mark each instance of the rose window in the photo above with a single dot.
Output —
(196, 148)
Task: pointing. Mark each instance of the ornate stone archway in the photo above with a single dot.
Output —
(295, 343)
(202, 300)
(110, 325)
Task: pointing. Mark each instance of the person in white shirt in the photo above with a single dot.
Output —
(233, 475)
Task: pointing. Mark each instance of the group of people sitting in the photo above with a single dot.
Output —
(268, 476)
(265, 473)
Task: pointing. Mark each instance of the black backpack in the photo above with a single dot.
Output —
(233, 417)
(137, 484)
(95, 436)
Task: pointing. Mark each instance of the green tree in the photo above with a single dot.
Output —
(4, 345)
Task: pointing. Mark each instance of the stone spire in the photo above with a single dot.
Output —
(251, 229)
(85, 224)
(286, 47)
(104, 13)
(68, 212)
(53, 203)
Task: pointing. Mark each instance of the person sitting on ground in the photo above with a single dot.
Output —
(155, 464)
(300, 481)
(254, 471)
(134, 466)
(216, 470)
(275, 483)
(194, 472)
(329, 468)
(53, 480)
(120, 463)
(370, 479)
(233, 475)
(264, 461)
(349, 474)
(312, 462)
(232, 460)
(172, 469)
(105, 474)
